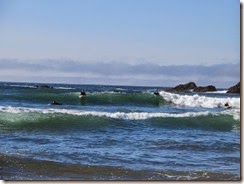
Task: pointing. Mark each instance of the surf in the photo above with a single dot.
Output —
(196, 100)
(56, 118)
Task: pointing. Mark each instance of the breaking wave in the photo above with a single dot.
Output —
(70, 119)
(115, 115)
(200, 101)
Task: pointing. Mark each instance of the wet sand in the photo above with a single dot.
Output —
(16, 168)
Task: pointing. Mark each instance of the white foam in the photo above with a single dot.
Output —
(59, 87)
(22, 86)
(200, 101)
(63, 88)
(120, 89)
(108, 92)
(116, 115)
(235, 113)
(29, 86)
(222, 91)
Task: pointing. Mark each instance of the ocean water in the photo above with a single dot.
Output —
(117, 133)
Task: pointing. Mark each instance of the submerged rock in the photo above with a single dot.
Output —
(183, 87)
(205, 88)
(234, 89)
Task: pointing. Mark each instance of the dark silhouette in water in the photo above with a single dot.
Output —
(44, 86)
(83, 93)
(55, 103)
(156, 93)
(227, 105)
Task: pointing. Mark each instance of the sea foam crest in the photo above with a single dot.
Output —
(200, 101)
(115, 115)
(23, 86)
(221, 91)
(63, 88)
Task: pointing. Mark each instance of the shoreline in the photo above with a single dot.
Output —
(17, 168)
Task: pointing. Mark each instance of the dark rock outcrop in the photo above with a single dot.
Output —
(43, 86)
(205, 88)
(234, 89)
(183, 87)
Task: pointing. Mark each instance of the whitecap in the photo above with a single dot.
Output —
(118, 115)
(221, 91)
(200, 101)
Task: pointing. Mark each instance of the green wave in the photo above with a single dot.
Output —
(63, 121)
(210, 122)
(123, 99)
(50, 122)
(72, 98)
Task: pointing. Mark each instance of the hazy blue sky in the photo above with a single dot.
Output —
(127, 32)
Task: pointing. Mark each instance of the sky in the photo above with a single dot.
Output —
(124, 42)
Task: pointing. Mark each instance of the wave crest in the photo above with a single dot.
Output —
(116, 115)
(14, 118)
(200, 101)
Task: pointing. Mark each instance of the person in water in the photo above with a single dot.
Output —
(83, 93)
(55, 103)
(156, 93)
(227, 105)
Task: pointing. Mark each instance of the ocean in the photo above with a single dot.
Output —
(117, 133)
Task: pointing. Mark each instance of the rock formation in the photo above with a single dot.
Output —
(205, 88)
(234, 89)
(183, 87)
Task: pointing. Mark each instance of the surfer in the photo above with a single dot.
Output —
(227, 106)
(82, 93)
(55, 103)
(156, 93)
